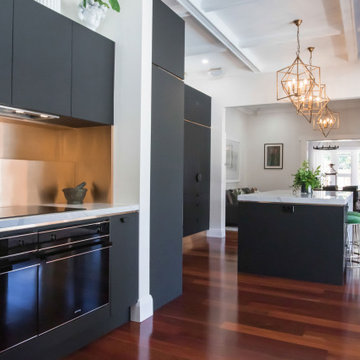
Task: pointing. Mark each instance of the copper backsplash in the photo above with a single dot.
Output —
(38, 161)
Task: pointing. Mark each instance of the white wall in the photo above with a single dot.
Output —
(236, 130)
(217, 171)
(275, 126)
(250, 88)
(131, 29)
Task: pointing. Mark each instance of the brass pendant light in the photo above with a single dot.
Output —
(327, 121)
(297, 80)
(311, 106)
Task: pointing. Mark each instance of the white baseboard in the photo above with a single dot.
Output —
(216, 233)
(143, 309)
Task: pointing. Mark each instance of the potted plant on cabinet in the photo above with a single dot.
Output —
(307, 179)
(92, 12)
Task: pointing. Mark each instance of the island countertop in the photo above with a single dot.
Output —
(334, 198)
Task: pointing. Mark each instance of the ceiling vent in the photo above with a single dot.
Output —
(216, 72)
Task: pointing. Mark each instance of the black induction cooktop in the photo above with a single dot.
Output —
(19, 211)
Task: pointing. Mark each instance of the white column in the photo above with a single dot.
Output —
(217, 173)
(144, 307)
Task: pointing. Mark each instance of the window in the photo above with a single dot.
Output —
(344, 168)
(346, 162)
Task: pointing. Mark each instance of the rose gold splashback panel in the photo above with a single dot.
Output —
(38, 161)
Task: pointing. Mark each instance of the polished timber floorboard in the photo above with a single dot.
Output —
(223, 315)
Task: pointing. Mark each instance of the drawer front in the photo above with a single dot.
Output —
(75, 234)
(17, 244)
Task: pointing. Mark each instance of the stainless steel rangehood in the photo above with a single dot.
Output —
(21, 114)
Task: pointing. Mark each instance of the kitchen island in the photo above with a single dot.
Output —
(297, 236)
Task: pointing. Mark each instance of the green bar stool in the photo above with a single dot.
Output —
(353, 242)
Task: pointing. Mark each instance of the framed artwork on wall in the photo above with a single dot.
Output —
(273, 156)
(232, 161)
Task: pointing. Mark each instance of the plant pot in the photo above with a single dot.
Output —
(92, 14)
(306, 189)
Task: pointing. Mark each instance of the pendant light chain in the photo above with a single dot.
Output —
(298, 41)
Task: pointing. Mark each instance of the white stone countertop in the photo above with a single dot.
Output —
(335, 198)
(91, 211)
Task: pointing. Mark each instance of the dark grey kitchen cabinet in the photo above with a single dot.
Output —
(124, 262)
(6, 30)
(41, 59)
(168, 39)
(60, 280)
(296, 241)
(167, 151)
(92, 76)
(197, 141)
(197, 106)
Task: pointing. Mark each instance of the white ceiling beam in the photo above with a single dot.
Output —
(217, 5)
(204, 50)
(288, 37)
(218, 29)
(348, 19)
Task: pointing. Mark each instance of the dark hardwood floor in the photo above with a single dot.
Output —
(223, 315)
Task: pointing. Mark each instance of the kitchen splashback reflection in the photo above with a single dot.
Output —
(38, 161)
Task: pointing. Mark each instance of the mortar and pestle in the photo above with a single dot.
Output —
(75, 195)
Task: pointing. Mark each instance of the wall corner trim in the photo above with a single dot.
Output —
(143, 309)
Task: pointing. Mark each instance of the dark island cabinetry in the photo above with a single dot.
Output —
(297, 241)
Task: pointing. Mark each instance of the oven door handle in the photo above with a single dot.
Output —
(19, 269)
(108, 246)
(76, 242)
(4, 257)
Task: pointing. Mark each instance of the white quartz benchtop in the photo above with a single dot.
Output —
(337, 198)
(91, 211)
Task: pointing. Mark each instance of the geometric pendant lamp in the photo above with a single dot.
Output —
(312, 104)
(327, 121)
(296, 81)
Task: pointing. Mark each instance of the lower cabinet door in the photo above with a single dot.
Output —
(18, 306)
(72, 286)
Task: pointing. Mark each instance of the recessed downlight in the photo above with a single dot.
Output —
(205, 61)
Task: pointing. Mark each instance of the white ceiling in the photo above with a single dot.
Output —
(258, 35)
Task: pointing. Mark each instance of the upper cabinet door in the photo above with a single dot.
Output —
(42, 59)
(93, 76)
(168, 39)
(6, 29)
(197, 106)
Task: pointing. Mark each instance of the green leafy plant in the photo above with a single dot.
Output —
(307, 177)
(113, 3)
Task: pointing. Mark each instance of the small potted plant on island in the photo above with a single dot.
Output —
(307, 179)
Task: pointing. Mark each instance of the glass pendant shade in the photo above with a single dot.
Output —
(313, 104)
(327, 121)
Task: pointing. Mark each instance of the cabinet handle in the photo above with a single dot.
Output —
(124, 220)
(198, 177)
(290, 209)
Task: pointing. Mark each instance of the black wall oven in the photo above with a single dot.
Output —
(18, 289)
(74, 272)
